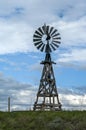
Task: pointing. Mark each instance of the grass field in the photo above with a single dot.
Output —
(31, 120)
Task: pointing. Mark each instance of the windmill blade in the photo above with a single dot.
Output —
(42, 48)
(55, 45)
(40, 30)
(47, 29)
(55, 35)
(35, 40)
(54, 32)
(36, 36)
(37, 43)
(56, 41)
(57, 38)
(51, 29)
(36, 32)
(44, 28)
(52, 47)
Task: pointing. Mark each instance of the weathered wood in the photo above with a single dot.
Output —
(47, 91)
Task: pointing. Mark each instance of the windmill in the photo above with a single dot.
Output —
(47, 39)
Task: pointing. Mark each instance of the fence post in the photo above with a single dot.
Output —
(8, 104)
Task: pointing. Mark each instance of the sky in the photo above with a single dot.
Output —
(20, 69)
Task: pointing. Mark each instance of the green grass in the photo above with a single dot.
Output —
(31, 120)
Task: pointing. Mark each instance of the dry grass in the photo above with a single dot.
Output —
(30, 120)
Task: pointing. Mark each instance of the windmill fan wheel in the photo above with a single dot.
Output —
(46, 38)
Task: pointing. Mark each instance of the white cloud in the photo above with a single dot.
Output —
(74, 102)
(75, 58)
(73, 98)
(15, 37)
(76, 55)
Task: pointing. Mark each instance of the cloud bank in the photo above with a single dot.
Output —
(23, 95)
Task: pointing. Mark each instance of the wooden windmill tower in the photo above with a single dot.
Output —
(47, 39)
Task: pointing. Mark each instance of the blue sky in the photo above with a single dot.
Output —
(20, 68)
